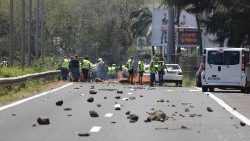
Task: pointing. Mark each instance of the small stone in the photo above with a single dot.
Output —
(83, 134)
(67, 109)
(76, 88)
(92, 87)
(34, 125)
(43, 121)
(93, 114)
(13, 115)
(173, 105)
(91, 99)
(209, 109)
(152, 109)
(183, 127)
(234, 108)
(242, 124)
(187, 110)
(199, 132)
(161, 100)
(99, 105)
(117, 97)
(181, 115)
(127, 113)
(113, 122)
(192, 115)
(92, 92)
(167, 101)
(117, 108)
(200, 115)
(105, 97)
(148, 119)
(231, 118)
(69, 115)
(119, 92)
(59, 103)
(141, 95)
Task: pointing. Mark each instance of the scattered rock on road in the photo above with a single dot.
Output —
(183, 127)
(105, 97)
(242, 124)
(161, 100)
(187, 110)
(141, 95)
(67, 109)
(117, 108)
(92, 87)
(132, 98)
(91, 99)
(59, 103)
(13, 115)
(127, 113)
(98, 105)
(93, 114)
(117, 97)
(209, 109)
(92, 92)
(83, 134)
(133, 118)
(43, 121)
(119, 92)
(157, 116)
(76, 88)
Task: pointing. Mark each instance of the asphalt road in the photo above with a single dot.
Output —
(186, 108)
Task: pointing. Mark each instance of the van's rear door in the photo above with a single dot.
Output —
(223, 66)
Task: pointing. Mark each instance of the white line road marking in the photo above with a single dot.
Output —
(194, 90)
(169, 90)
(95, 129)
(108, 115)
(229, 108)
(131, 89)
(33, 97)
(117, 105)
(129, 93)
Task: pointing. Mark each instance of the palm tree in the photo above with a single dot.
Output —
(142, 20)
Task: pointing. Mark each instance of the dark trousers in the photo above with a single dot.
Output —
(140, 77)
(85, 73)
(64, 73)
(161, 73)
(75, 74)
(152, 79)
(131, 76)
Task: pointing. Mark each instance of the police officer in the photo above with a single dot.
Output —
(112, 71)
(130, 66)
(86, 65)
(75, 66)
(140, 70)
(160, 69)
(65, 68)
(152, 70)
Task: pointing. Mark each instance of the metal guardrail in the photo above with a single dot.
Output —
(20, 79)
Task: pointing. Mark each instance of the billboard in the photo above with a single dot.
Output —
(159, 27)
(188, 37)
(141, 43)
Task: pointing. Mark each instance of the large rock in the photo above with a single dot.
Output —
(43, 121)
(119, 92)
(92, 92)
(91, 99)
(157, 116)
(133, 118)
(209, 109)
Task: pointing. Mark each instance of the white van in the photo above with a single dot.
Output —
(225, 68)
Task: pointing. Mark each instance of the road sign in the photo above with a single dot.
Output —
(188, 37)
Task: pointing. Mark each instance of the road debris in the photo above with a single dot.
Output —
(43, 121)
(92, 92)
(132, 98)
(209, 109)
(113, 122)
(183, 127)
(83, 134)
(119, 92)
(76, 88)
(156, 116)
(107, 89)
(133, 118)
(161, 100)
(127, 113)
(98, 105)
(105, 97)
(242, 124)
(59, 103)
(92, 87)
(93, 114)
(67, 109)
(141, 95)
(117, 97)
(13, 115)
(90, 99)
(117, 108)
(187, 110)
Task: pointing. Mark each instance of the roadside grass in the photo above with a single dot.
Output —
(188, 81)
(10, 94)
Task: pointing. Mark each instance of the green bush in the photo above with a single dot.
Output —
(188, 81)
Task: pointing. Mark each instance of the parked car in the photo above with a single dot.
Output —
(173, 74)
(198, 75)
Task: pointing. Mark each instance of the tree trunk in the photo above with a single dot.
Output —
(29, 32)
(42, 28)
(171, 34)
(11, 33)
(37, 29)
(22, 33)
(200, 32)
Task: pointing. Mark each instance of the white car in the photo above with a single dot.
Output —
(173, 74)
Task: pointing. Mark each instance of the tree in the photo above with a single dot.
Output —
(11, 32)
(29, 32)
(22, 33)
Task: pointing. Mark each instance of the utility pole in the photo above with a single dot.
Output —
(171, 34)
(37, 29)
(11, 33)
(29, 32)
(42, 29)
(22, 33)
